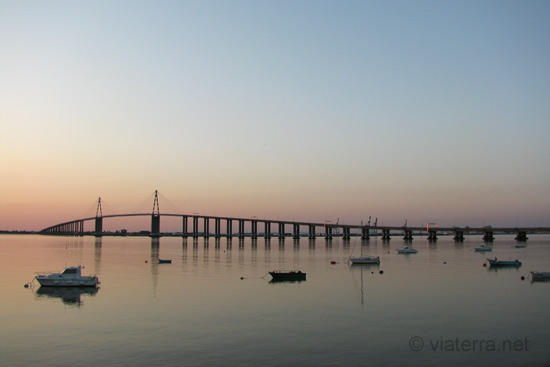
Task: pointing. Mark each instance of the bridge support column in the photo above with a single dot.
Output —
(365, 235)
(98, 226)
(328, 232)
(296, 231)
(408, 235)
(346, 235)
(217, 228)
(386, 235)
(459, 236)
(229, 230)
(184, 233)
(241, 228)
(281, 230)
(488, 236)
(254, 231)
(155, 225)
(521, 236)
(432, 235)
(267, 230)
(195, 226)
(311, 232)
(206, 225)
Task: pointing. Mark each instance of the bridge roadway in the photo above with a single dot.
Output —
(76, 227)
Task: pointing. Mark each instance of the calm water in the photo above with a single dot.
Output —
(198, 311)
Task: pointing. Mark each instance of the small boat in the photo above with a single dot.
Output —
(521, 245)
(365, 260)
(540, 276)
(407, 250)
(70, 277)
(495, 262)
(483, 248)
(167, 261)
(280, 275)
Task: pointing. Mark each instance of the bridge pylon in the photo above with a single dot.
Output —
(155, 217)
(98, 219)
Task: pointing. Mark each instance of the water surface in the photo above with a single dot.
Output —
(439, 306)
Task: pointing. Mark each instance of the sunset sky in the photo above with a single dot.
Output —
(431, 111)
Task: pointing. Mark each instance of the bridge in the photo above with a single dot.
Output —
(278, 228)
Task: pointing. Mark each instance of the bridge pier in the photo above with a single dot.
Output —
(155, 225)
(432, 235)
(386, 235)
(346, 235)
(241, 228)
(311, 232)
(521, 236)
(254, 231)
(184, 229)
(459, 236)
(488, 236)
(229, 229)
(296, 231)
(217, 228)
(408, 235)
(98, 226)
(365, 233)
(267, 230)
(206, 226)
(281, 231)
(328, 232)
(195, 226)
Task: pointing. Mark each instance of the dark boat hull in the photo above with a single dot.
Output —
(280, 276)
(515, 264)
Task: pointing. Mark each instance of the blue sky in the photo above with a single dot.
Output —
(429, 111)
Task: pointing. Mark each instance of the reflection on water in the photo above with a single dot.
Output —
(69, 295)
(212, 306)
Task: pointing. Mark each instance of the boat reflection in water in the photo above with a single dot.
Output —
(69, 295)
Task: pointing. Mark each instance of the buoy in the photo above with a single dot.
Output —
(333, 262)
(242, 278)
(444, 262)
(484, 264)
(381, 271)
(146, 261)
(522, 277)
(388, 252)
(26, 286)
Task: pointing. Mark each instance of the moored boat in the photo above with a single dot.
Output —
(540, 276)
(407, 250)
(70, 277)
(365, 260)
(513, 263)
(165, 261)
(281, 275)
(483, 248)
(521, 245)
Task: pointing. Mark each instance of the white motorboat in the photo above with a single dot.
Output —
(70, 277)
(483, 248)
(364, 259)
(407, 250)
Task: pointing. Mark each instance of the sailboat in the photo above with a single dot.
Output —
(364, 259)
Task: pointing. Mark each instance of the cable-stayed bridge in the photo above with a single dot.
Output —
(195, 225)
